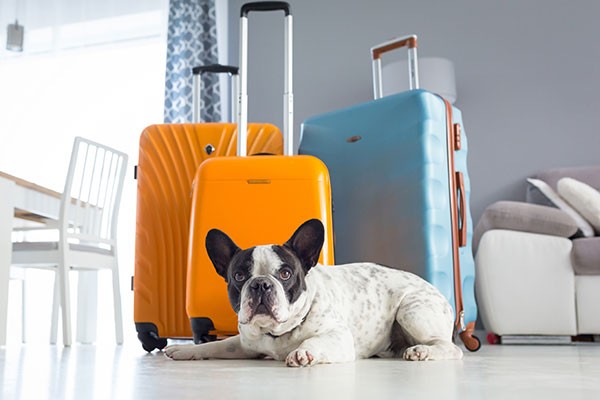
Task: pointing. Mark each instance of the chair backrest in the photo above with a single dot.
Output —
(92, 194)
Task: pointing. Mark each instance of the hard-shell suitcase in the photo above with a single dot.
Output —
(400, 186)
(255, 200)
(169, 157)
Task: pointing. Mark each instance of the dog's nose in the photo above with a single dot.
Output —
(261, 285)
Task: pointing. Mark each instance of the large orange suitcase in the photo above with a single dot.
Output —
(255, 200)
(169, 157)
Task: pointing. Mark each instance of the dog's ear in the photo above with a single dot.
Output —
(221, 250)
(307, 242)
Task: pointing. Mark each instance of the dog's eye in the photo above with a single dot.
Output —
(285, 274)
(239, 276)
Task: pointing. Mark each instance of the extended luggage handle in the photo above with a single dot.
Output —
(197, 89)
(288, 96)
(409, 41)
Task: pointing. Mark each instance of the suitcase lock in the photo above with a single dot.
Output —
(209, 149)
(457, 138)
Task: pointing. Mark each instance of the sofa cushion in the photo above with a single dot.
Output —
(586, 256)
(589, 175)
(584, 199)
(525, 217)
(548, 197)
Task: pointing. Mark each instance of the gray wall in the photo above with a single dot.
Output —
(528, 74)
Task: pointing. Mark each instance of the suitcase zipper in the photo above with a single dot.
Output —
(453, 139)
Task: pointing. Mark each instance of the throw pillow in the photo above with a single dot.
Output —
(586, 229)
(584, 198)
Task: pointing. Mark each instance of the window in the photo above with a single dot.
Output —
(100, 78)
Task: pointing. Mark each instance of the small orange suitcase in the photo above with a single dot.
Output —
(168, 159)
(255, 200)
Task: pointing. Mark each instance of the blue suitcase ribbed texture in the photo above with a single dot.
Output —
(388, 163)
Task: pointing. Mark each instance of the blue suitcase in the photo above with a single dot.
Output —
(400, 188)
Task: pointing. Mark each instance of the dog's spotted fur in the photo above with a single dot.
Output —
(323, 314)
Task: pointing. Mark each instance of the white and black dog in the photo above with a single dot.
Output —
(291, 308)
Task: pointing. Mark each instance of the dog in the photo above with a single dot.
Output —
(291, 308)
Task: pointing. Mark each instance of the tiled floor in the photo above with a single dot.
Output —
(565, 372)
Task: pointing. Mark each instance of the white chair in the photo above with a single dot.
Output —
(87, 230)
(18, 274)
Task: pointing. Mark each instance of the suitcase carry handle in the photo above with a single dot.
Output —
(197, 83)
(216, 68)
(462, 228)
(409, 41)
(266, 6)
(288, 96)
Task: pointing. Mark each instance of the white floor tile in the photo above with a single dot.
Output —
(127, 372)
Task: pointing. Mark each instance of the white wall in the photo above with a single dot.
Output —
(527, 74)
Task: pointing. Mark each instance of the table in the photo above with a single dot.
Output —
(25, 200)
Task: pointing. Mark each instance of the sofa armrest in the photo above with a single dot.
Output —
(586, 256)
(525, 217)
(525, 283)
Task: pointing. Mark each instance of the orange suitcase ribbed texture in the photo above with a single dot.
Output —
(169, 157)
(254, 200)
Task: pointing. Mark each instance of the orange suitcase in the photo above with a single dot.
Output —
(169, 157)
(255, 200)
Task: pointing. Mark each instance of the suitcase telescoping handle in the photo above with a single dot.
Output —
(288, 96)
(409, 41)
(197, 90)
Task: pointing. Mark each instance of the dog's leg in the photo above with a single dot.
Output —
(230, 348)
(331, 347)
(427, 321)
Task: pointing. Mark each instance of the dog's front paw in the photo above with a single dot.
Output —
(184, 352)
(300, 358)
(417, 353)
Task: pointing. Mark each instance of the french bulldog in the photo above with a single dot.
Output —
(291, 308)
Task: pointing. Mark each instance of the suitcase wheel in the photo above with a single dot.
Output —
(146, 345)
(204, 338)
(148, 335)
(151, 341)
(201, 328)
(472, 343)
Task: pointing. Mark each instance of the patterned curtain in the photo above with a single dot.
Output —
(191, 41)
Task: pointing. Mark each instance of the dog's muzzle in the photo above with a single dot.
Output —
(262, 295)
